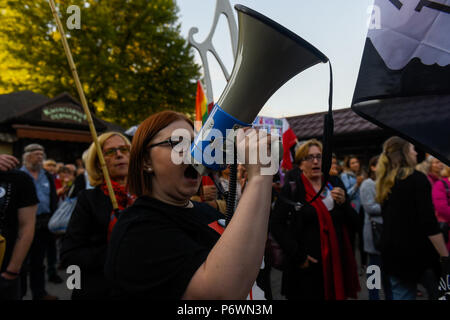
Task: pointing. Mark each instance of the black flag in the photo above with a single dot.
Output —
(404, 79)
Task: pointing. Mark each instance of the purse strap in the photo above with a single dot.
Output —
(72, 187)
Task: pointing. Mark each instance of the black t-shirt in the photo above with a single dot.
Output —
(156, 248)
(17, 191)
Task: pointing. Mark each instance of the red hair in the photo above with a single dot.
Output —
(139, 181)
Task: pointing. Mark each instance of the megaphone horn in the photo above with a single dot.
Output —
(268, 56)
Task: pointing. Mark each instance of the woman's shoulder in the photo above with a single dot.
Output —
(368, 183)
(418, 177)
(93, 194)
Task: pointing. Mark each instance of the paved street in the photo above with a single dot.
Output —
(61, 291)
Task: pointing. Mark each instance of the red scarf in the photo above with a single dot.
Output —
(123, 198)
(340, 275)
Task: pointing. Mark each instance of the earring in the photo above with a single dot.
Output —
(149, 169)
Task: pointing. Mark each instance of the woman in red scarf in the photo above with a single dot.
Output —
(92, 221)
(320, 263)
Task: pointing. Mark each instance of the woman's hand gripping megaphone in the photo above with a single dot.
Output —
(259, 151)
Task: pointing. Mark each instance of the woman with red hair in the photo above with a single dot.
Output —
(167, 247)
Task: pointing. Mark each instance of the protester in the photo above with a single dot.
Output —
(86, 238)
(33, 158)
(441, 201)
(242, 176)
(334, 169)
(50, 166)
(434, 172)
(320, 263)
(79, 163)
(411, 241)
(59, 165)
(372, 212)
(82, 180)
(224, 181)
(18, 206)
(208, 194)
(264, 276)
(352, 177)
(167, 247)
(67, 178)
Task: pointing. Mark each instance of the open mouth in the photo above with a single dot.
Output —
(190, 172)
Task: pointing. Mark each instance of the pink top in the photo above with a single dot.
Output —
(441, 203)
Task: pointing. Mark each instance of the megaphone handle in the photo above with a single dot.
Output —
(231, 199)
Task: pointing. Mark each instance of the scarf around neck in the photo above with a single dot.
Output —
(339, 268)
(123, 198)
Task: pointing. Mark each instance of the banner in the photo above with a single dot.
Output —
(404, 78)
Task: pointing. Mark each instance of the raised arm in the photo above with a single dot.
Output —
(233, 263)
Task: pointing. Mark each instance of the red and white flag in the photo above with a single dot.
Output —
(289, 139)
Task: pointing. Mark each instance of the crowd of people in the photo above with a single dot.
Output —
(165, 237)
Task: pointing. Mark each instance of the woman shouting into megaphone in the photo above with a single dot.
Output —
(167, 247)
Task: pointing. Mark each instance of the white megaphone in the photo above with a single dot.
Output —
(268, 56)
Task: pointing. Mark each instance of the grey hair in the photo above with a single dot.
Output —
(29, 149)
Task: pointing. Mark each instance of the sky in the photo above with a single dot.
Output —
(337, 28)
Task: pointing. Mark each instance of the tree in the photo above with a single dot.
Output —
(130, 56)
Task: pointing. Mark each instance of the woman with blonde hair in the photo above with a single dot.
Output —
(411, 241)
(92, 221)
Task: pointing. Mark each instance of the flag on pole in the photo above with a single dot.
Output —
(403, 83)
(201, 105)
(201, 114)
(289, 139)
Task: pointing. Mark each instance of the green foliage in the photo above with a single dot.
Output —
(130, 56)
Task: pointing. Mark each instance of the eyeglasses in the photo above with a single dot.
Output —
(112, 151)
(173, 142)
(311, 157)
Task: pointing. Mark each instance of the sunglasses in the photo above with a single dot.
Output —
(112, 151)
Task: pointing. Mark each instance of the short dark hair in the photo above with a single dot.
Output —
(139, 181)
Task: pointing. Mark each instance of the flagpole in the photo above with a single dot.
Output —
(84, 104)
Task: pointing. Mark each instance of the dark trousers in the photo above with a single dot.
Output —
(360, 243)
(305, 284)
(375, 259)
(42, 237)
(263, 280)
(10, 289)
(52, 256)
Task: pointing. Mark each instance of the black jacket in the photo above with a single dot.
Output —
(85, 242)
(408, 220)
(53, 195)
(298, 235)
